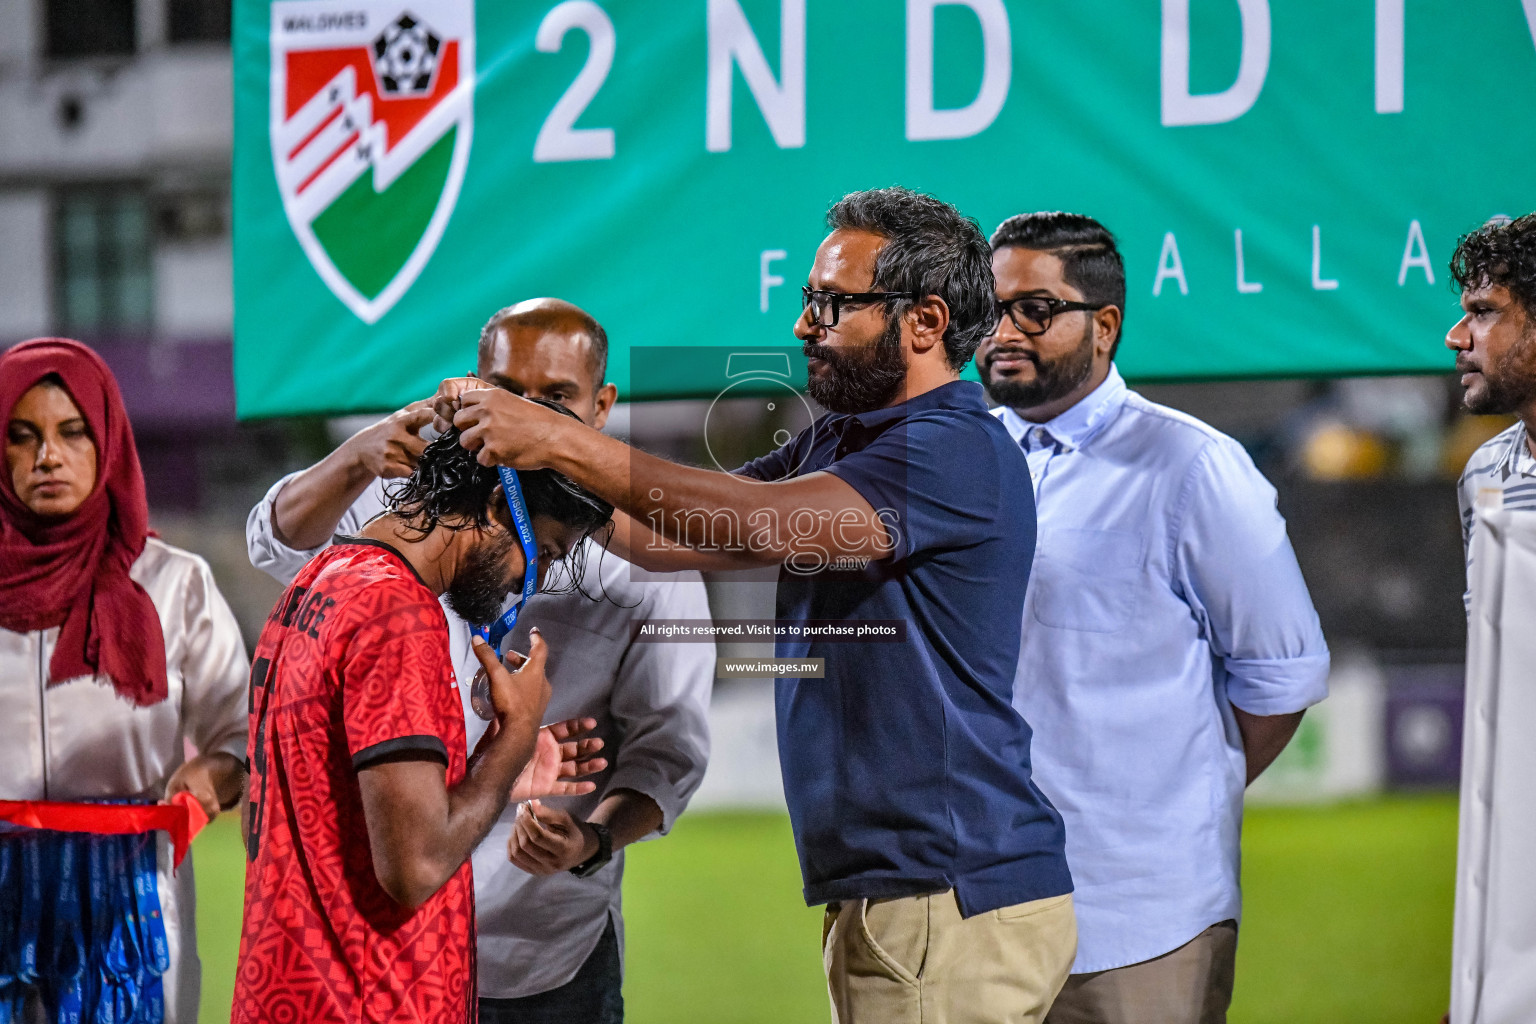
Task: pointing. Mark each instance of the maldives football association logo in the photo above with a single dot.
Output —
(371, 120)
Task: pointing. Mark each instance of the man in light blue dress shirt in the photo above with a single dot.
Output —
(1169, 644)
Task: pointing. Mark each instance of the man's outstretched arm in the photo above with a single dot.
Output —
(738, 522)
(310, 505)
(420, 831)
(635, 542)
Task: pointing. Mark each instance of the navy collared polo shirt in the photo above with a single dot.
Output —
(906, 768)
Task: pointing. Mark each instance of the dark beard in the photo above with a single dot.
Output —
(1052, 381)
(859, 380)
(480, 587)
(1508, 385)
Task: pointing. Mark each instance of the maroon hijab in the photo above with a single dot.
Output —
(74, 572)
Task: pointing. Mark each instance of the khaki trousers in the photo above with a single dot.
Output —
(916, 961)
(1191, 985)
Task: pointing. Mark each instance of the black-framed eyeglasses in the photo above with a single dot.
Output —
(827, 307)
(1032, 314)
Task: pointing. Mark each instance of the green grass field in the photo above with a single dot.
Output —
(1348, 918)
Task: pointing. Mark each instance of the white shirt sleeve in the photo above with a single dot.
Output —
(1237, 570)
(213, 668)
(660, 702)
(283, 563)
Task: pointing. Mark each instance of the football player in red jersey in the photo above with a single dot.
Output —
(363, 810)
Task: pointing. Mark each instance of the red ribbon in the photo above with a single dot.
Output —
(183, 818)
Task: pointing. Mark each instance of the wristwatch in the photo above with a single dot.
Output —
(595, 863)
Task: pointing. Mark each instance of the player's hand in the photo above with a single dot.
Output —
(205, 777)
(519, 697)
(562, 759)
(505, 430)
(547, 840)
(391, 447)
(446, 402)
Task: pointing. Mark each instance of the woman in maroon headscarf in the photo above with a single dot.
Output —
(115, 647)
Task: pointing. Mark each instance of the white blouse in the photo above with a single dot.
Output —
(80, 741)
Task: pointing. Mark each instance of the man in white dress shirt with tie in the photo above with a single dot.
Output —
(1169, 644)
(547, 880)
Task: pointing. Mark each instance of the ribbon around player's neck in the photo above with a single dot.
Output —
(497, 631)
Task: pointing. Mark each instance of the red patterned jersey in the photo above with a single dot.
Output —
(352, 667)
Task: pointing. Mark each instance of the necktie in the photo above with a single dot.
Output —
(1036, 439)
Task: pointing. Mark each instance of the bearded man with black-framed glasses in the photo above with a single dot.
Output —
(1170, 645)
(907, 510)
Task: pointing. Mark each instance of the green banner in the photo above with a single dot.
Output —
(1287, 179)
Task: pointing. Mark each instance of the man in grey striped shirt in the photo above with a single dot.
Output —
(1495, 346)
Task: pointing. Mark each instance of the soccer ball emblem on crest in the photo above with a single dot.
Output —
(404, 57)
(371, 118)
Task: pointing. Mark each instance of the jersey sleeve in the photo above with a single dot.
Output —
(933, 485)
(396, 677)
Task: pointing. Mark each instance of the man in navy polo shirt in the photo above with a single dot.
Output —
(906, 767)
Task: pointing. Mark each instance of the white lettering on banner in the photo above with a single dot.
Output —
(1181, 108)
(559, 138)
(1530, 17)
(767, 280)
(1244, 287)
(1415, 237)
(1319, 283)
(923, 121)
(1389, 56)
(1169, 265)
(782, 102)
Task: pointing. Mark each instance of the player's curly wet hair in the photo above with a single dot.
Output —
(449, 489)
(1501, 252)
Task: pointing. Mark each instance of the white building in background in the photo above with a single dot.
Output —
(116, 126)
(115, 135)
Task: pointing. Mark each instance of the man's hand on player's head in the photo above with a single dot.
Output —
(446, 402)
(390, 448)
(506, 430)
(563, 759)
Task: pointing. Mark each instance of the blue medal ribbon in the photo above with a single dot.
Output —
(156, 949)
(90, 937)
(13, 998)
(69, 955)
(10, 916)
(32, 909)
(497, 631)
(104, 932)
(122, 956)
